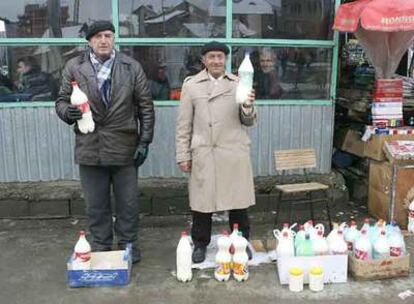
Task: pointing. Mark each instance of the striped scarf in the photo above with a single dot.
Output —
(103, 75)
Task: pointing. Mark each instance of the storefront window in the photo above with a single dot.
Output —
(281, 73)
(167, 67)
(283, 19)
(51, 18)
(288, 73)
(172, 18)
(32, 73)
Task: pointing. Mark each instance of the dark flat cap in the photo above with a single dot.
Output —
(99, 26)
(215, 46)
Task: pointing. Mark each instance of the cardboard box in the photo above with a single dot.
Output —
(108, 268)
(350, 141)
(335, 267)
(381, 185)
(379, 269)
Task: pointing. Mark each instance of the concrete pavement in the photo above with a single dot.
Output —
(34, 253)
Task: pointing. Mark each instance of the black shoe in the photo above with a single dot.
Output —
(136, 252)
(199, 254)
(136, 255)
(249, 253)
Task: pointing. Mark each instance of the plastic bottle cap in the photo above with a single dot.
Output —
(296, 271)
(316, 271)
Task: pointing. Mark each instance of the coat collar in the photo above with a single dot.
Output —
(224, 86)
(203, 76)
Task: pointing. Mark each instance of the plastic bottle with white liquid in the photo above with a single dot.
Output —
(80, 100)
(240, 259)
(183, 258)
(82, 253)
(245, 84)
(223, 257)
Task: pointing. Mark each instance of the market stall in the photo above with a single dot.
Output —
(385, 30)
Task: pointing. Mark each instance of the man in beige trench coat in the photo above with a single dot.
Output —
(212, 144)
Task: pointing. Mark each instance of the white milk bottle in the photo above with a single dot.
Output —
(80, 100)
(320, 244)
(240, 259)
(351, 235)
(338, 245)
(82, 252)
(285, 247)
(395, 236)
(396, 243)
(411, 217)
(233, 236)
(245, 84)
(363, 247)
(381, 247)
(183, 258)
(366, 225)
(223, 257)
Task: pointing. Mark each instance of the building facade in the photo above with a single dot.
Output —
(165, 36)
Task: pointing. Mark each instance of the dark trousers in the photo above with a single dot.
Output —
(201, 229)
(96, 184)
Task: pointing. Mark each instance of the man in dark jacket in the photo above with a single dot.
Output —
(40, 85)
(123, 112)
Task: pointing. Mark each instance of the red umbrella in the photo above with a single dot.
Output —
(384, 27)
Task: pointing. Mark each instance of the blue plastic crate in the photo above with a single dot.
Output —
(109, 268)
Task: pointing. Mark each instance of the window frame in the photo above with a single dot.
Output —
(332, 44)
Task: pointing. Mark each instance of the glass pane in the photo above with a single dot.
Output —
(166, 67)
(283, 19)
(288, 73)
(33, 73)
(50, 18)
(172, 18)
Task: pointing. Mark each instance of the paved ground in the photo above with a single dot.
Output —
(33, 255)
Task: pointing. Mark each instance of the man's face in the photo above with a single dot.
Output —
(22, 68)
(267, 62)
(215, 62)
(102, 44)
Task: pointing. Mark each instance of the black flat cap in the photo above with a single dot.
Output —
(215, 46)
(99, 26)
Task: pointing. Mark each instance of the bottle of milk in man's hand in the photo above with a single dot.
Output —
(245, 85)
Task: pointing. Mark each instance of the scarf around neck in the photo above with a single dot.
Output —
(103, 71)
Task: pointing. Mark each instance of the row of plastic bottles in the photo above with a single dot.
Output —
(377, 241)
(371, 241)
(231, 257)
(309, 240)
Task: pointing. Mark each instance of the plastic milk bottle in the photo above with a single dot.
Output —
(233, 236)
(363, 247)
(411, 217)
(184, 251)
(82, 252)
(80, 100)
(381, 247)
(351, 235)
(223, 257)
(240, 259)
(245, 84)
(285, 246)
